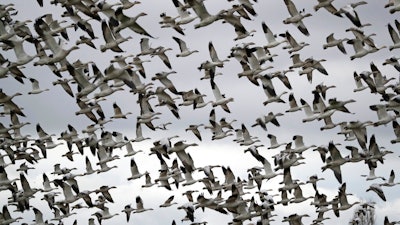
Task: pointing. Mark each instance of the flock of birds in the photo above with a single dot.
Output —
(247, 200)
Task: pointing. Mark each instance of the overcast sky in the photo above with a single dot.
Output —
(54, 109)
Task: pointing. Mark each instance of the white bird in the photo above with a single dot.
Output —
(118, 112)
(112, 38)
(184, 15)
(296, 17)
(331, 41)
(378, 190)
(139, 206)
(220, 99)
(35, 87)
(390, 182)
(271, 37)
(394, 35)
(185, 51)
(135, 174)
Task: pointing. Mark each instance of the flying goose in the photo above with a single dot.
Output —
(390, 182)
(360, 50)
(220, 99)
(168, 21)
(112, 38)
(334, 161)
(135, 174)
(104, 214)
(35, 87)
(296, 17)
(202, 13)
(395, 6)
(273, 142)
(343, 202)
(392, 61)
(139, 206)
(394, 35)
(371, 175)
(331, 41)
(185, 51)
(194, 129)
(160, 52)
(169, 202)
(125, 21)
(271, 37)
(247, 138)
(118, 112)
(185, 16)
(327, 4)
(378, 190)
(383, 116)
(350, 12)
(293, 46)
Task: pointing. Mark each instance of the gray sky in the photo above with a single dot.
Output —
(54, 110)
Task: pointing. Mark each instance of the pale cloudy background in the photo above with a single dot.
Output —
(54, 110)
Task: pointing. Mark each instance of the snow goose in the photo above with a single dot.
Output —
(168, 21)
(22, 57)
(350, 12)
(134, 171)
(392, 61)
(334, 161)
(6, 217)
(395, 7)
(378, 190)
(296, 17)
(387, 222)
(169, 202)
(343, 202)
(247, 138)
(360, 50)
(195, 129)
(184, 16)
(125, 21)
(359, 85)
(35, 87)
(294, 219)
(163, 78)
(104, 214)
(356, 155)
(331, 41)
(327, 4)
(288, 183)
(390, 182)
(298, 196)
(148, 182)
(220, 99)
(185, 51)
(216, 61)
(293, 46)
(371, 175)
(271, 37)
(360, 131)
(202, 13)
(293, 106)
(118, 112)
(383, 116)
(112, 39)
(273, 142)
(299, 146)
(160, 52)
(310, 115)
(65, 85)
(394, 35)
(139, 206)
